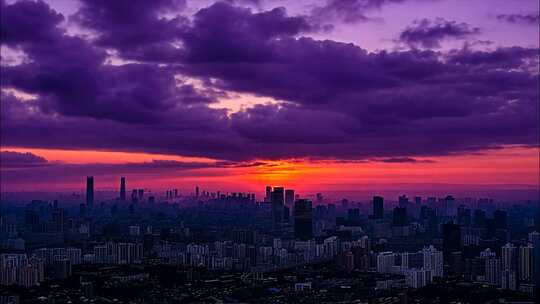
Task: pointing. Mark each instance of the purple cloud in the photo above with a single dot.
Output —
(429, 33)
(529, 19)
(137, 29)
(15, 27)
(333, 100)
(224, 33)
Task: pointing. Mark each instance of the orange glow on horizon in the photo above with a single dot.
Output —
(507, 166)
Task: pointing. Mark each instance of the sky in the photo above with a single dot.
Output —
(328, 95)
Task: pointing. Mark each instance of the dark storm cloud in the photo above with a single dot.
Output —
(70, 75)
(16, 26)
(529, 19)
(429, 33)
(137, 29)
(337, 100)
(224, 33)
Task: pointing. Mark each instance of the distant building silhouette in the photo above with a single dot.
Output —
(303, 220)
(89, 191)
(289, 197)
(122, 188)
(378, 207)
(268, 193)
(399, 216)
(451, 240)
(277, 199)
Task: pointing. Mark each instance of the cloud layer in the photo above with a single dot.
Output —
(123, 87)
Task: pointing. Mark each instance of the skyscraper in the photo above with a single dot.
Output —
(479, 219)
(403, 201)
(197, 191)
(399, 216)
(449, 208)
(378, 207)
(525, 263)
(433, 261)
(509, 257)
(268, 193)
(122, 188)
(277, 198)
(89, 191)
(303, 220)
(493, 271)
(499, 216)
(289, 197)
(534, 238)
(451, 240)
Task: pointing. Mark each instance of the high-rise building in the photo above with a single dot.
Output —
(268, 194)
(197, 191)
(499, 216)
(385, 261)
(525, 263)
(433, 261)
(403, 201)
(134, 198)
(399, 216)
(449, 208)
(349, 261)
(122, 188)
(277, 199)
(378, 207)
(451, 240)
(534, 238)
(58, 219)
(493, 270)
(303, 219)
(464, 216)
(479, 219)
(286, 214)
(89, 191)
(508, 280)
(509, 257)
(353, 217)
(289, 197)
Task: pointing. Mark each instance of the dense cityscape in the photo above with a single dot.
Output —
(216, 247)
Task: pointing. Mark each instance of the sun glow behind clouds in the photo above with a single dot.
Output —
(511, 166)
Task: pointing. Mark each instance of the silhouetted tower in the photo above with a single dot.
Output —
(197, 191)
(289, 197)
(122, 188)
(500, 218)
(268, 193)
(277, 199)
(451, 240)
(399, 217)
(378, 207)
(303, 220)
(90, 191)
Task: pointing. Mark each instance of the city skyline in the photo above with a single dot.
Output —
(321, 96)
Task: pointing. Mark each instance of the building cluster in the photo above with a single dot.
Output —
(415, 242)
